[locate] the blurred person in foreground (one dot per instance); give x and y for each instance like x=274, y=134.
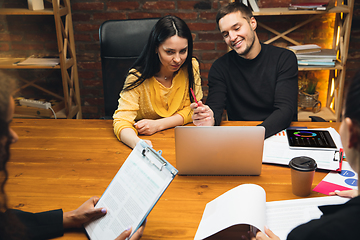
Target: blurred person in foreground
x=17, y=224
x=338, y=221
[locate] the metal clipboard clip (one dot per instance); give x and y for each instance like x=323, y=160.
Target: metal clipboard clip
x=154, y=157
x=338, y=157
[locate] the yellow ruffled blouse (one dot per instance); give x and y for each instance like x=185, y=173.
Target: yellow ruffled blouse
x=151, y=100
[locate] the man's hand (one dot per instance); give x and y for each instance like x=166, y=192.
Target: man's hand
x=85, y=213
x=203, y=115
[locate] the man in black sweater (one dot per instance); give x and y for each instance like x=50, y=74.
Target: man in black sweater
x=254, y=81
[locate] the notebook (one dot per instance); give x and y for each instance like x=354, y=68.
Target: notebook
x=219, y=150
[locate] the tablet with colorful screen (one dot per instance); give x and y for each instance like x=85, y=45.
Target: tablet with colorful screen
x=310, y=139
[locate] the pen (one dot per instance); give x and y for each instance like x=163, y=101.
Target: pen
x=192, y=92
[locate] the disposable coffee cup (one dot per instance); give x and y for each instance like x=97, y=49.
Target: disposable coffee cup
x=302, y=175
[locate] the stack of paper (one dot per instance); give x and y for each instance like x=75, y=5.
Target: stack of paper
x=306, y=48
x=325, y=57
x=45, y=61
x=318, y=6
x=227, y=216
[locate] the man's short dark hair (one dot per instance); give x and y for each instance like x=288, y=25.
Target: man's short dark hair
x=234, y=7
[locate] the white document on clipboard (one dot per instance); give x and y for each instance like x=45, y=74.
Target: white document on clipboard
x=132, y=193
x=277, y=151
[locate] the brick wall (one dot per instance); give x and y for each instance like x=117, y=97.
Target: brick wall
x=25, y=35
x=87, y=17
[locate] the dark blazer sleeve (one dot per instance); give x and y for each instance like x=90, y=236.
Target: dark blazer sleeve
x=43, y=225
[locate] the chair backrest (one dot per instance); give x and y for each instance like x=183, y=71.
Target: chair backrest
x=121, y=42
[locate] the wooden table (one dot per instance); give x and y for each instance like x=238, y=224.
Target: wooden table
x=62, y=163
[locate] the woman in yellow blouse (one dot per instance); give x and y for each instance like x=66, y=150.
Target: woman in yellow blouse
x=156, y=93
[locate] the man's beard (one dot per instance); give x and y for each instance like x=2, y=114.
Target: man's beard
x=248, y=48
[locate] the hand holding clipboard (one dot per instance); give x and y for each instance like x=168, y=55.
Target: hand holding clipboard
x=133, y=192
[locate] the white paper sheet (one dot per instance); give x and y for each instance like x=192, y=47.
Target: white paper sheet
x=283, y=216
x=246, y=204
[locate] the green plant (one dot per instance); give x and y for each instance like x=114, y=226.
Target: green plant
x=307, y=83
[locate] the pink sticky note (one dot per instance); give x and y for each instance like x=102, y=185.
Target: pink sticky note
x=326, y=187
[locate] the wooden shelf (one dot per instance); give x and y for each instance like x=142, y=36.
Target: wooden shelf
x=337, y=66
x=67, y=56
x=59, y=114
x=24, y=11
x=286, y=11
x=10, y=63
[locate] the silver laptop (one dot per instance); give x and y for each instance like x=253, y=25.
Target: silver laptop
x=219, y=150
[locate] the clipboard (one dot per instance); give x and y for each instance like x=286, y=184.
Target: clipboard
x=133, y=193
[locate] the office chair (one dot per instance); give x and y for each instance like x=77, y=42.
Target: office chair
x=121, y=42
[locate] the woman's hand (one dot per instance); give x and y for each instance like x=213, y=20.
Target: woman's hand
x=270, y=235
x=136, y=236
x=147, y=126
x=346, y=193
x=85, y=213
x=125, y=234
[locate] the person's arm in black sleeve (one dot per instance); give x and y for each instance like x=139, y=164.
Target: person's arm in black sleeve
x=216, y=99
x=42, y=225
x=285, y=99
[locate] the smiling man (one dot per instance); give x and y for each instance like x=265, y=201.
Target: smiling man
x=253, y=81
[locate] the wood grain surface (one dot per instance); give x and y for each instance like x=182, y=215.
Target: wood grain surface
x=61, y=163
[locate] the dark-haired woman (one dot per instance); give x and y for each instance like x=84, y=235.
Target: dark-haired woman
x=338, y=221
x=156, y=93
x=19, y=225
